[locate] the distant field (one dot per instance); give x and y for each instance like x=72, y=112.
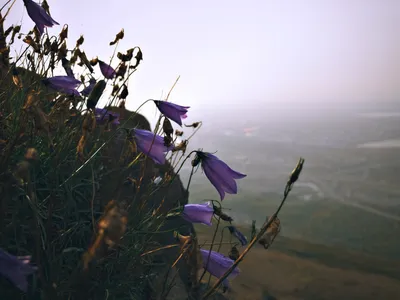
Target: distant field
x=294, y=269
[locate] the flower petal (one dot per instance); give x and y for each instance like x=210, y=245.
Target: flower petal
x=16, y=269
x=172, y=111
x=234, y=231
x=107, y=71
x=151, y=144
x=218, y=264
x=198, y=213
x=39, y=16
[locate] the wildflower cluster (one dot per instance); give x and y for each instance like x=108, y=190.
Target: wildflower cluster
x=75, y=174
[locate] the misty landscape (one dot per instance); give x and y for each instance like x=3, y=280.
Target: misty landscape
x=349, y=192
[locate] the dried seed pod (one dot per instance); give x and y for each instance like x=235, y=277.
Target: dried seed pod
x=121, y=70
x=272, y=231
x=64, y=33
x=181, y=147
x=168, y=140
x=62, y=51
x=234, y=253
x=115, y=89
x=124, y=93
x=194, y=125
x=95, y=95
x=119, y=36
x=94, y=61
x=218, y=212
x=29, y=40
x=167, y=127
x=80, y=41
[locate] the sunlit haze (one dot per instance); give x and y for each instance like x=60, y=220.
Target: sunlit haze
x=259, y=54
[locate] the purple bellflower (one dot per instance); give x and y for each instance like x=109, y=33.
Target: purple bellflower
x=67, y=67
x=87, y=90
x=63, y=84
x=218, y=265
x=151, y=144
x=107, y=71
x=198, y=213
x=39, y=16
x=103, y=116
x=172, y=111
x=221, y=176
x=235, y=232
x=16, y=269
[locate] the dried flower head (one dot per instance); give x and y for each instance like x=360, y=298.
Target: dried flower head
x=272, y=231
x=194, y=125
x=167, y=127
x=234, y=253
x=113, y=223
x=178, y=132
x=181, y=146
x=138, y=57
x=121, y=71
x=126, y=57
x=31, y=154
x=296, y=172
x=119, y=36
x=64, y=33
x=29, y=40
x=111, y=228
x=62, y=51
x=124, y=93
x=80, y=41
x=94, y=61
x=218, y=212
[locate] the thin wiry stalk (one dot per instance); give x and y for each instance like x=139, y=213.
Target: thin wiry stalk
x=251, y=244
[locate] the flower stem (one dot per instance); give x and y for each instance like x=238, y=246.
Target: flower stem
x=209, y=253
x=251, y=244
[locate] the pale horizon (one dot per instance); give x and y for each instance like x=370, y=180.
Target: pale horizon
x=261, y=54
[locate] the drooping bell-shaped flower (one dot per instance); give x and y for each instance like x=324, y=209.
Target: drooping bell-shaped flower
x=107, y=71
x=63, y=84
x=172, y=111
x=235, y=232
x=67, y=67
x=151, y=144
x=221, y=176
x=198, y=213
x=39, y=16
x=218, y=265
x=87, y=90
x=16, y=269
x=103, y=116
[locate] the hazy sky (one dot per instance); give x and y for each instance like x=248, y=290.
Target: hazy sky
x=255, y=53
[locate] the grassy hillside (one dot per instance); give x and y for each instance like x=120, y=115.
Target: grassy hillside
x=296, y=269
